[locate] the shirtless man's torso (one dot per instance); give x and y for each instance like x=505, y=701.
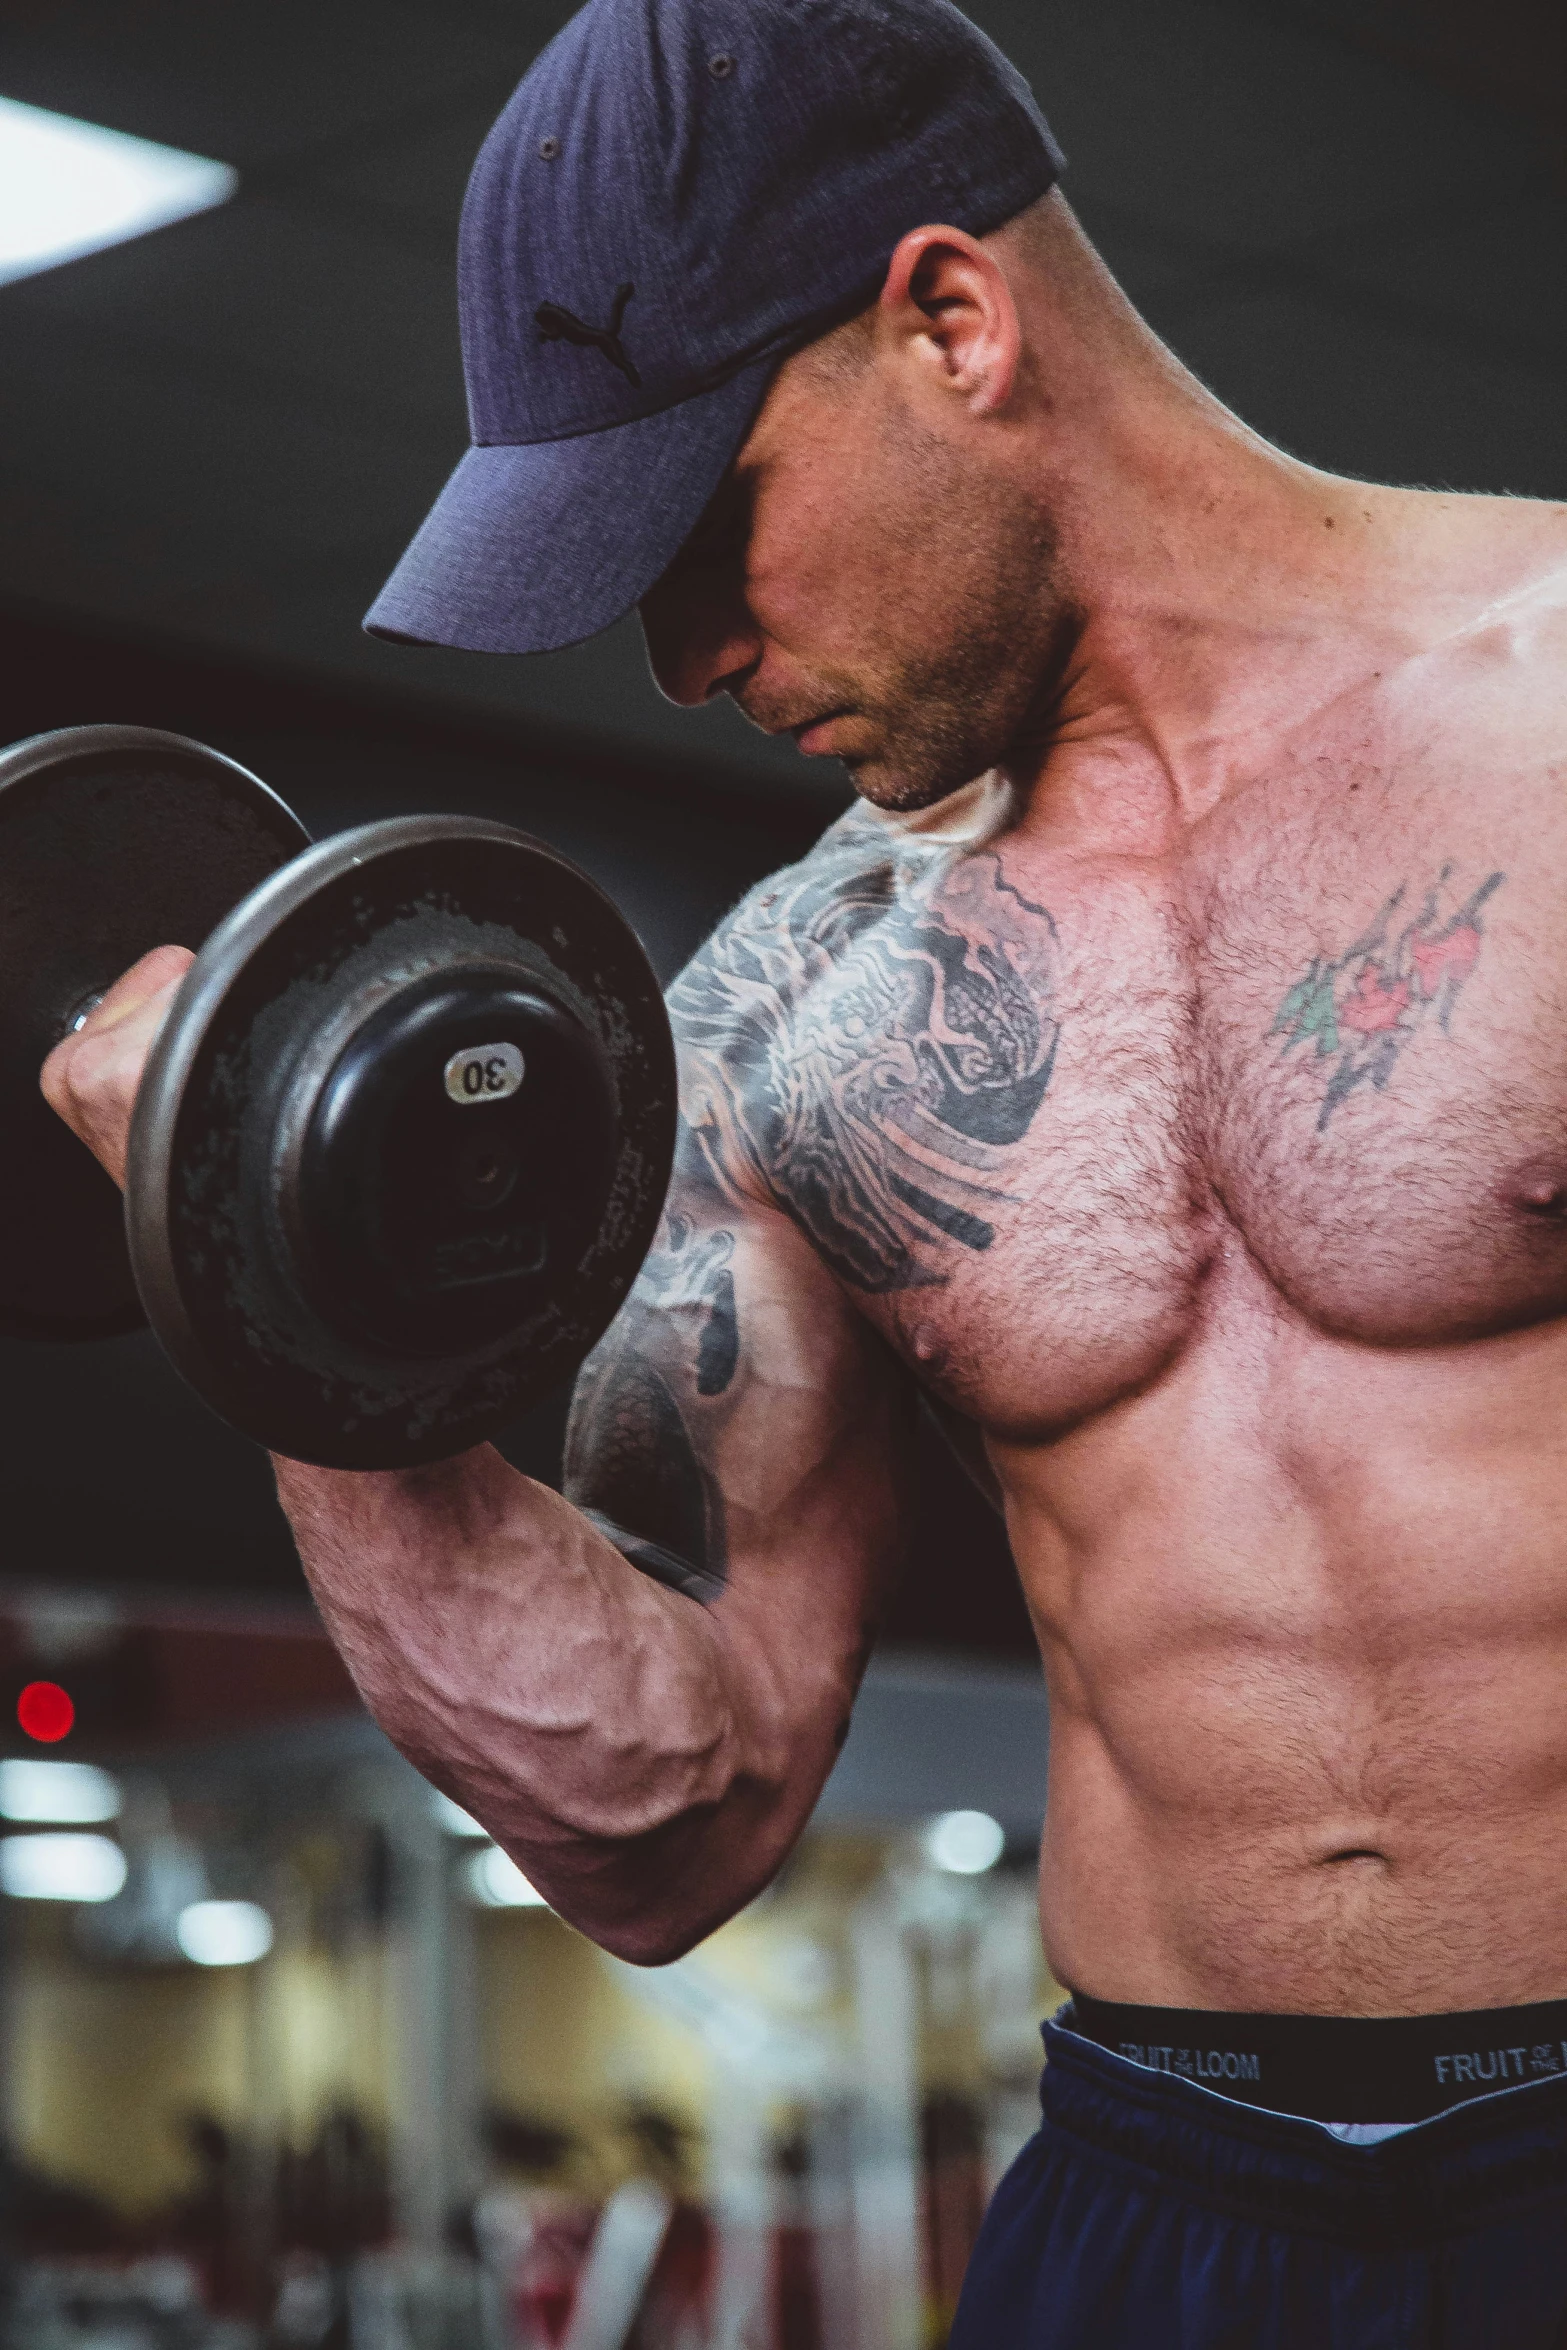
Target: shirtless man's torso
x=1213, y=1174
x=1162, y=1074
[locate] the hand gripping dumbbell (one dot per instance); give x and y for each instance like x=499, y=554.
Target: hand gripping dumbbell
x=404, y=1136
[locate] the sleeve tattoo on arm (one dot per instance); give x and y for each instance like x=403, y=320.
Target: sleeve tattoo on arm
x=633, y=1457
x=865, y=1041
x=862, y=1044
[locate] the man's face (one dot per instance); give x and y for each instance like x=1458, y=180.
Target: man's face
x=869, y=578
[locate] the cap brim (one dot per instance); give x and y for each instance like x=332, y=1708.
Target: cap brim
x=530, y=548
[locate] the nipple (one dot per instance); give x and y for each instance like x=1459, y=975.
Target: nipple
x=1540, y=1189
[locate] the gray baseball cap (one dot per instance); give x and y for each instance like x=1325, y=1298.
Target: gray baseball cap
x=678, y=195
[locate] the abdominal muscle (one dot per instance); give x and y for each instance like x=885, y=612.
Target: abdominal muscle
x=1303, y=1613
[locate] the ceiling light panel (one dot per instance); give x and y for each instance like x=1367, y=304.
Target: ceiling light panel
x=68, y=188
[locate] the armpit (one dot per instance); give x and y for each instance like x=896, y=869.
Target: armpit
x=968, y=1446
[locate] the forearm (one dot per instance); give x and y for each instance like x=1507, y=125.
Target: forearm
x=603, y=1728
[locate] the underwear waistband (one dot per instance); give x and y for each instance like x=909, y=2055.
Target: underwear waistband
x=1330, y=2068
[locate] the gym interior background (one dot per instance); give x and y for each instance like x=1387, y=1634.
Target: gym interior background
x=390, y=2100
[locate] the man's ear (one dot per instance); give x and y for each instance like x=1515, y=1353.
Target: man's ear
x=946, y=302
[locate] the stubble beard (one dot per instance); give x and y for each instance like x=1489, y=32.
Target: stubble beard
x=942, y=718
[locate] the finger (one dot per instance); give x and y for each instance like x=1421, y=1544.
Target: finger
x=154, y=975
x=92, y=1076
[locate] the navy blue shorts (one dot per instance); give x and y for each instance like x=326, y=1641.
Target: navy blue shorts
x=1152, y=2214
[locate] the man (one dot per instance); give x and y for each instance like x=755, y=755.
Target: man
x=1180, y=1107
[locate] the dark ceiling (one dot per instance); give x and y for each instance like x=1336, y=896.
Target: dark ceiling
x=224, y=433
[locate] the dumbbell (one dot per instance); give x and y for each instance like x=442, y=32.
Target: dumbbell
x=404, y=1137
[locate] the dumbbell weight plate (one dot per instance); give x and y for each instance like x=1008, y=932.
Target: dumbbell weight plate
x=113, y=840
x=402, y=1143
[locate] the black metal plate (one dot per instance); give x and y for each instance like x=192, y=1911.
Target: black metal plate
x=113, y=840
x=369, y=911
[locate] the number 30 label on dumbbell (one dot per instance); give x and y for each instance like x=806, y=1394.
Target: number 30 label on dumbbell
x=484, y=1073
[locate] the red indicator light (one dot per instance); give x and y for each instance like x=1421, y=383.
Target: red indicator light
x=45, y=1711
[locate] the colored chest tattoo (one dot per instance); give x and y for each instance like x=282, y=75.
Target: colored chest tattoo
x=1357, y=1013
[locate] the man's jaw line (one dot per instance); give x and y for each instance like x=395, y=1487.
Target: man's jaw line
x=892, y=792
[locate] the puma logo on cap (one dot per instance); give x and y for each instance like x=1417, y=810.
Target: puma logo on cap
x=556, y=325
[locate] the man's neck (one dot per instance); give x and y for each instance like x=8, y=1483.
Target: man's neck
x=1220, y=593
